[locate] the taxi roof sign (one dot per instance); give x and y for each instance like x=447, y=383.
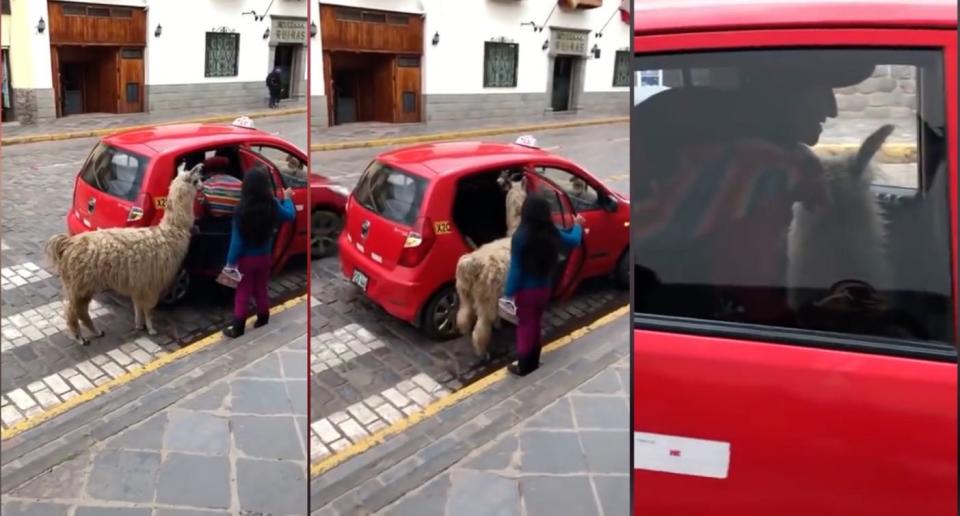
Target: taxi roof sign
x=527, y=140
x=243, y=121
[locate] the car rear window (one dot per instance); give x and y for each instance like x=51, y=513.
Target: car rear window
x=391, y=193
x=114, y=171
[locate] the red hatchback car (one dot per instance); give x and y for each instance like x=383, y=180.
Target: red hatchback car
x=124, y=183
x=837, y=393
x=416, y=210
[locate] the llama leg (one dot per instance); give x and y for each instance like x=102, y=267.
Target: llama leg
x=137, y=316
x=482, y=330
x=83, y=312
x=73, y=323
x=465, y=313
x=148, y=317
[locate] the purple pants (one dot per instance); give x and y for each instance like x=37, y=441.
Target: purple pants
x=531, y=304
x=256, y=275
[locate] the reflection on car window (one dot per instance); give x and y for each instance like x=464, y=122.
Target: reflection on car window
x=293, y=171
x=583, y=196
x=759, y=191
x=394, y=194
x=115, y=172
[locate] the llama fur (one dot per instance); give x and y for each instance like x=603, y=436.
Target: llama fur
x=136, y=262
x=844, y=238
x=481, y=274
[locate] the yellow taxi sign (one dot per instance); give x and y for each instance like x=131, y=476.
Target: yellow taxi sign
x=442, y=227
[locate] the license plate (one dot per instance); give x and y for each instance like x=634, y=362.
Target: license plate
x=360, y=280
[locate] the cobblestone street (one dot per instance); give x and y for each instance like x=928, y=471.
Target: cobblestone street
x=41, y=364
x=369, y=370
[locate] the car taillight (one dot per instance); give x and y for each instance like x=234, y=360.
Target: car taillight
x=142, y=209
x=417, y=243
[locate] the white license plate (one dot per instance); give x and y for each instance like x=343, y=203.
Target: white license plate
x=360, y=279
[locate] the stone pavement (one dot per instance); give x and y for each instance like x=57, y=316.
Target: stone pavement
x=93, y=121
x=573, y=457
x=234, y=446
x=556, y=439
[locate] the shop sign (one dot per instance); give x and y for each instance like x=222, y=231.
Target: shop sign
x=287, y=30
x=568, y=42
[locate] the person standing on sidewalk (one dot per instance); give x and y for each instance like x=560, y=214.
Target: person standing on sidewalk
x=251, y=243
x=534, y=256
x=273, y=86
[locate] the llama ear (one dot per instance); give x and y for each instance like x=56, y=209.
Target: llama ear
x=182, y=168
x=871, y=146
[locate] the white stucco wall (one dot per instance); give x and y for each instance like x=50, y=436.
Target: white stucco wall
x=455, y=65
x=29, y=50
x=178, y=57
x=317, y=83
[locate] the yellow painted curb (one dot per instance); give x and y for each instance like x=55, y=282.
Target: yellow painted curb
x=84, y=397
x=432, y=409
x=891, y=153
x=33, y=138
x=457, y=135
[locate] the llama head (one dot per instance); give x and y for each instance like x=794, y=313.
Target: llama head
x=853, y=173
x=516, y=187
x=183, y=191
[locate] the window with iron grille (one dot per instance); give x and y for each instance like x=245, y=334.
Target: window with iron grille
x=500, y=64
x=621, y=69
x=223, y=49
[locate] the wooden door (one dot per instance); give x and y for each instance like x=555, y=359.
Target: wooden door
x=105, y=92
x=55, y=69
x=407, y=105
x=130, y=87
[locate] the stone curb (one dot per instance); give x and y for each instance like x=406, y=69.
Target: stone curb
x=33, y=138
x=38, y=449
x=452, y=431
x=891, y=153
x=457, y=135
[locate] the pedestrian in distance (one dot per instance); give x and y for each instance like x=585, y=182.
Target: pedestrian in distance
x=251, y=243
x=534, y=257
x=273, y=87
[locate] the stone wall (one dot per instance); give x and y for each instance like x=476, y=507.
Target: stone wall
x=32, y=106
x=318, y=111
x=209, y=97
x=889, y=94
x=513, y=106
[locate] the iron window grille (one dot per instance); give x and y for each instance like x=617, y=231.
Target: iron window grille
x=223, y=50
x=500, y=64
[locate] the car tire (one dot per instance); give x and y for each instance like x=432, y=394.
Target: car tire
x=439, y=318
x=178, y=289
x=325, y=228
x=622, y=274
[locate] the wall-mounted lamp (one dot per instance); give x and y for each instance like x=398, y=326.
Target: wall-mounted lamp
x=596, y=51
x=266, y=33
x=546, y=44
x=41, y=25
x=157, y=32
x=436, y=38
x=313, y=30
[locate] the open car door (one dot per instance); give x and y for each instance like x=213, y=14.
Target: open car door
x=561, y=208
x=284, y=233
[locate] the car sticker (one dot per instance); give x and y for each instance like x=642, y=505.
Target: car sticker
x=160, y=203
x=442, y=227
x=681, y=455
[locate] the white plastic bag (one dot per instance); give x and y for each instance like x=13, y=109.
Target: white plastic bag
x=507, y=310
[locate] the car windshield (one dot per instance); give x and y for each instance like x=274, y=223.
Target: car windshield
x=391, y=193
x=114, y=171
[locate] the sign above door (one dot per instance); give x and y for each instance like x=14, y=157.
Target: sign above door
x=568, y=42
x=288, y=30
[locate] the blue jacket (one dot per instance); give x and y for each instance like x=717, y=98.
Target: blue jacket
x=239, y=249
x=516, y=278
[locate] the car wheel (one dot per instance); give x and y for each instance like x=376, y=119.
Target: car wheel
x=325, y=228
x=440, y=314
x=178, y=289
x=622, y=274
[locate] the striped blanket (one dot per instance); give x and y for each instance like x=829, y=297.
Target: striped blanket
x=221, y=195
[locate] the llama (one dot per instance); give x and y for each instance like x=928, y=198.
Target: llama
x=845, y=238
x=136, y=262
x=481, y=273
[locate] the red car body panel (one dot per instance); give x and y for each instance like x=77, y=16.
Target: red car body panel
x=162, y=145
x=810, y=430
x=403, y=291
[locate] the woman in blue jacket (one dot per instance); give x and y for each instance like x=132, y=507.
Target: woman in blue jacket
x=251, y=243
x=534, y=256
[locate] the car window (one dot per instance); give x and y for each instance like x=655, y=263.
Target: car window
x=115, y=172
x=760, y=191
x=392, y=193
x=293, y=171
x=583, y=196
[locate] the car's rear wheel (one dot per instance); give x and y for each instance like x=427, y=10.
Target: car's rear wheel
x=325, y=228
x=178, y=289
x=622, y=274
x=439, y=319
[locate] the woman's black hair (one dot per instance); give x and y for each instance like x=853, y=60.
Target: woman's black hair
x=257, y=213
x=540, y=251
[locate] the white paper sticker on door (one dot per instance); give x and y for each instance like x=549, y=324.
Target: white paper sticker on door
x=681, y=455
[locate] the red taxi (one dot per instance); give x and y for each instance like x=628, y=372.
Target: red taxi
x=124, y=181
x=844, y=404
x=416, y=210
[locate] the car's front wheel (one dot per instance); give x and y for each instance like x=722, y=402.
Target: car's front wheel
x=622, y=274
x=439, y=320
x=325, y=228
x=178, y=289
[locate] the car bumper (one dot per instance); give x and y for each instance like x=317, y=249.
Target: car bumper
x=397, y=294
x=74, y=224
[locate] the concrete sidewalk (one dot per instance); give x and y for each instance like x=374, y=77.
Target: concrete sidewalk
x=236, y=445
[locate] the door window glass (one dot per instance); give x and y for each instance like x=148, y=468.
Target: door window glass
x=801, y=188
x=293, y=171
x=583, y=196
